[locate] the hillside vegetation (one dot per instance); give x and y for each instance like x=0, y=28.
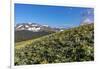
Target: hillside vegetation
x=24, y=35
x=72, y=45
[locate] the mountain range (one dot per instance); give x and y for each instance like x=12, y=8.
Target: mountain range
x=35, y=27
x=26, y=31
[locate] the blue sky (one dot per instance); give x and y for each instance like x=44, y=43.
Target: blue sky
x=54, y=16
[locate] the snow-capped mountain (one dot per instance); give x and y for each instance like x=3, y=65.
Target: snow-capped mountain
x=26, y=31
x=34, y=27
x=28, y=26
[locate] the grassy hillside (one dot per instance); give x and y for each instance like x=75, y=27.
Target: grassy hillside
x=24, y=35
x=23, y=43
x=72, y=45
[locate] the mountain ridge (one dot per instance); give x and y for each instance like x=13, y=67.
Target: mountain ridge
x=35, y=27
